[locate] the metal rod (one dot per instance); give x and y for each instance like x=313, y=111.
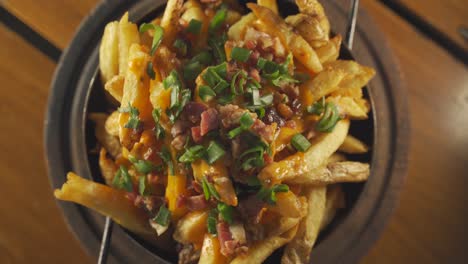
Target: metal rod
x=105, y=242
x=352, y=19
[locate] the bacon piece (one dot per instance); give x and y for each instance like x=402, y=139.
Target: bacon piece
x=179, y=127
x=230, y=115
x=179, y=141
x=225, y=238
x=267, y=132
x=209, y=121
x=193, y=111
x=196, y=134
x=196, y=203
x=255, y=74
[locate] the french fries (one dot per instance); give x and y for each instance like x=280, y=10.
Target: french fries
x=298, y=250
x=335, y=201
x=191, y=228
x=170, y=20
x=108, y=141
x=344, y=171
x=271, y=4
x=128, y=35
x=105, y=200
x=109, y=52
x=274, y=25
x=210, y=253
x=303, y=163
x=352, y=145
x=115, y=87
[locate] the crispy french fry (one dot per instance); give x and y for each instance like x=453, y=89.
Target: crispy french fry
x=352, y=145
x=170, y=20
x=336, y=157
x=112, y=124
x=210, y=253
x=260, y=250
x=237, y=30
x=288, y=205
x=300, y=163
x=105, y=200
x=109, y=142
x=283, y=224
x=348, y=107
x=345, y=171
x=135, y=92
x=107, y=166
x=194, y=10
x=357, y=76
x=335, y=201
x=128, y=35
x=109, y=52
x=271, y=4
x=298, y=250
x=315, y=9
x=114, y=87
x=191, y=228
x=176, y=185
x=330, y=51
x=309, y=28
x=275, y=26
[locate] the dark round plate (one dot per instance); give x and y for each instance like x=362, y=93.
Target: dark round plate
x=76, y=92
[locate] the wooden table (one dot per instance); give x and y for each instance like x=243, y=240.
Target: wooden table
x=429, y=225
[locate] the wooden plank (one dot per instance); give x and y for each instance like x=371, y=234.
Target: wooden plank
x=429, y=225
x=32, y=229
x=57, y=20
x=447, y=16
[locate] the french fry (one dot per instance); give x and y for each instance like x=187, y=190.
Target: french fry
x=283, y=224
x=345, y=171
x=112, y=124
x=210, y=253
x=357, y=76
x=109, y=142
x=335, y=201
x=352, y=145
x=107, y=167
x=109, y=52
x=237, y=30
x=114, y=87
x=322, y=147
x=275, y=26
x=128, y=35
x=298, y=250
x=135, y=92
x=170, y=20
x=176, y=185
x=271, y=4
x=191, y=228
x=309, y=28
x=336, y=157
x=315, y=9
x=105, y=200
x=194, y=10
x=260, y=250
x=330, y=51
x=348, y=107
x=288, y=205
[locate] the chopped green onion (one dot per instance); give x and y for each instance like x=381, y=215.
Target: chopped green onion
x=300, y=143
x=179, y=97
x=206, y=93
x=260, y=112
x=329, y=119
x=256, y=97
x=163, y=217
x=245, y=121
x=211, y=189
x=192, y=154
x=268, y=195
x=214, y=152
x=181, y=47
x=157, y=35
x=150, y=70
x=206, y=190
x=278, y=74
x=239, y=79
x=211, y=221
x=143, y=185
x=194, y=26
x=191, y=70
x=266, y=100
x=317, y=108
x=142, y=166
x=134, y=119
x=203, y=57
x=218, y=19
x=122, y=180
x=214, y=77
x=165, y=155
x=226, y=212
x=217, y=45
x=158, y=129
x=240, y=54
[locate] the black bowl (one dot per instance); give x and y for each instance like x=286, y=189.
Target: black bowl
x=76, y=91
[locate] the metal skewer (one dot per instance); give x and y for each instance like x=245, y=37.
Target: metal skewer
x=352, y=19
x=350, y=30
x=105, y=242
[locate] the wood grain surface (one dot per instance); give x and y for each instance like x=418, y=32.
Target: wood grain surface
x=427, y=227
x=447, y=16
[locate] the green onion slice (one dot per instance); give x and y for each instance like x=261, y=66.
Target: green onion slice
x=300, y=143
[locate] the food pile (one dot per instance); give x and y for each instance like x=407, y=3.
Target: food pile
x=230, y=129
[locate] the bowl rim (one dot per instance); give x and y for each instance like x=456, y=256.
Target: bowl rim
x=58, y=130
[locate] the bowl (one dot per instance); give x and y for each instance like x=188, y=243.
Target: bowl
x=69, y=138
